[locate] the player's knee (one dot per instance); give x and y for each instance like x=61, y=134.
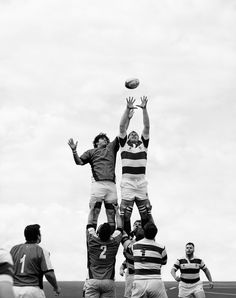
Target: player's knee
x=109, y=207
x=128, y=212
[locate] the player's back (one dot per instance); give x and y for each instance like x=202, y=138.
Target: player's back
x=30, y=262
x=102, y=257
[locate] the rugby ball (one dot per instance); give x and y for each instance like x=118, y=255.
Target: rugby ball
x=131, y=83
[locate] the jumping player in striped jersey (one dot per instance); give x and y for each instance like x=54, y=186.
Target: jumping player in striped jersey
x=149, y=256
x=31, y=263
x=189, y=279
x=102, y=250
x=134, y=159
x=6, y=275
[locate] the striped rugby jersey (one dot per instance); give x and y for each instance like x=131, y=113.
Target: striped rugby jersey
x=6, y=266
x=189, y=269
x=128, y=253
x=133, y=158
x=102, y=255
x=149, y=257
x=30, y=263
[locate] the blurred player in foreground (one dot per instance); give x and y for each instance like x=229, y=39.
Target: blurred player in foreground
x=102, y=159
x=134, y=159
x=6, y=275
x=102, y=250
x=189, y=279
x=31, y=263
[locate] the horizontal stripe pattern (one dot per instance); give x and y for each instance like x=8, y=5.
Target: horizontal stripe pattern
x=189, y=269
x=148, y=259
x=134, y=160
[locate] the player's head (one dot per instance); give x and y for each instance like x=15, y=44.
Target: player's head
x=133, y=137
x=139, y=233
x=150, y=230
x=189, y=248
x=137, y=224
x=101, y=140
x=32, y=233
x=104, y=231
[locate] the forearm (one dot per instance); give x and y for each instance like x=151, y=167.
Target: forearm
x=173, y=273
x=119, y=223
x=208, y=275
x=76, y=157
x=51, y=278
x=124, y=122
x=146, y=122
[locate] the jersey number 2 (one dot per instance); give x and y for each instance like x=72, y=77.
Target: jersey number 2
x=103, y=253
x=22, y=261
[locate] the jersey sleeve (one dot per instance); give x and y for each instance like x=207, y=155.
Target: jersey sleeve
x=122, y=141
x=117, y=236
x=176, y=265
x=46, y=264
x=145, y=141
x=86, y=156
x=202, y=265
x=164, y=256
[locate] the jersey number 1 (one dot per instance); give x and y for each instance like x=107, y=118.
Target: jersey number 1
x=22, y=261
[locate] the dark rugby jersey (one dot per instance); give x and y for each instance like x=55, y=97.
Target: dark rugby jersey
x=102, y=161
x=133, y=158
x=30, y=263
x=189, y=269
x=102, y=255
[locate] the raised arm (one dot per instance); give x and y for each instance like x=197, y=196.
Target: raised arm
x=146, y=122
x=73, y=147
x=125, y=119
x=119, y=224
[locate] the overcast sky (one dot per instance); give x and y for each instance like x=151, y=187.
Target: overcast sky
x=62, y=70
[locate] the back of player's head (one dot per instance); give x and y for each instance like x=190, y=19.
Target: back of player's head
x=32, y=232
x=150, y=230
x=190, y=243
x=104, y=232
x=100, y=136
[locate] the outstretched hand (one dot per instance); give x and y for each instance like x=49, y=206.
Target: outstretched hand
x=130, y=103
x=72, y=145
x=144, y=101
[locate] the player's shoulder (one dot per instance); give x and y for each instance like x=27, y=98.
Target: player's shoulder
x=5, y=256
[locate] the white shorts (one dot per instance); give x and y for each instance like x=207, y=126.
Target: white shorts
x=103, y=191
x=153, y=288
x=28, y=292
x=186, y=290
x=129, y=278
x=100, y=288
x=132, y=189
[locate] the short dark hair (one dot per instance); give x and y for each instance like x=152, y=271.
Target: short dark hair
x=100, y=136
x=189, y=243
x=32, y=232
x=104, y=231
x=150, y=230
x=131, y=132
